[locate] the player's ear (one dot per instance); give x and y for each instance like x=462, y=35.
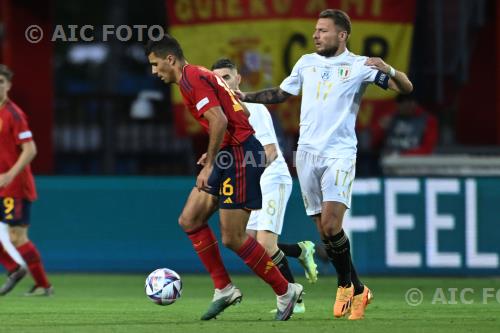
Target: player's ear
x=171, y=59
x=343, y=36
x=238, y=79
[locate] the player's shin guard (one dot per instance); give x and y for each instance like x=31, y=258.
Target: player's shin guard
x=32, y=257
x=255, y=256
x=206, y=246
x=338, y=250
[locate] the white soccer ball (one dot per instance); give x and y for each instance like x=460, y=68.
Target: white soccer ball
x=163, y=286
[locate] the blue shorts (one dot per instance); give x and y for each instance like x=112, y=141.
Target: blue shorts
x=235, y=178
x=15, y=212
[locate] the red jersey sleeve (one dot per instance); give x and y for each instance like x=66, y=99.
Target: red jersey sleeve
x=21, y=130
x=201, y=92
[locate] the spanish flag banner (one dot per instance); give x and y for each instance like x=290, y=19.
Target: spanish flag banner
x=266, y=37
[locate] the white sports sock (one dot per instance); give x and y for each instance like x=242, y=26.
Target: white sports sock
x=8, y=246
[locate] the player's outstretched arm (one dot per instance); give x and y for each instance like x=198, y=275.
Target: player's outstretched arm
x=266, y=96
x=398, y=81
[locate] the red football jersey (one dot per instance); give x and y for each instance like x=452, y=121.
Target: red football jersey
x=202, y=90
x=14, y=131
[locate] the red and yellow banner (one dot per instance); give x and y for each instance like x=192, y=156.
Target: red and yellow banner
x=266, y=37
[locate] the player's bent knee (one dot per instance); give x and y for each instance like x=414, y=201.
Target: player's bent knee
x=18, y=235
x=229, y=242
x=19, y=240
x=271, y=249
x=331, y=225
x=268, y=242
x=183, y=223
x=232, y=242
x=187, y=223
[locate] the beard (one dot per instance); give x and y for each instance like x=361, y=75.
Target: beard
x=328, y=52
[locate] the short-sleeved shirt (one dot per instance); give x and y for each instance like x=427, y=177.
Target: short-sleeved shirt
x=202, y=90
x=331, y=88
x=260, y=119
x=14, y=131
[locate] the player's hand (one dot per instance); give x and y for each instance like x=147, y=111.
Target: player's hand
x=5, y=179
x=202, y=160
x=378, y=63
x=241, y=95
x=202, y=179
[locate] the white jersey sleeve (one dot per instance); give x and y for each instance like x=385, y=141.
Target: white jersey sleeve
x=371, y=75
x=293, y=83
x=367, y=73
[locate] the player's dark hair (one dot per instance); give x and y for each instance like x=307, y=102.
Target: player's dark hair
x=5, y=71
x=223, y=63
x=165, y=46
x=339, y=18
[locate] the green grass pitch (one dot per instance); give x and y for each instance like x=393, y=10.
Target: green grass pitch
x=117, y=303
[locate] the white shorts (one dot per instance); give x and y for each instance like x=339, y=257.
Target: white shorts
x=324, y=179
x=274, y=199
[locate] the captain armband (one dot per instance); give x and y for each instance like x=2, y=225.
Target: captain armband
x=382, y=80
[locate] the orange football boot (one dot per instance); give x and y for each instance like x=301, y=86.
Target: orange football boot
x=343, y=301
x=359, y=304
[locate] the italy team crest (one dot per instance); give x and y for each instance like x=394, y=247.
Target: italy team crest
x=325, y=75
x=344, y=72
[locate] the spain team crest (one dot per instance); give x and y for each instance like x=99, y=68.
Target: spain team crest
x=344, y=72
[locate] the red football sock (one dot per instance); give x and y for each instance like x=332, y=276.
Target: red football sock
x=206, y=245
x=258, y=260
x=32, y=257
x=7, y=261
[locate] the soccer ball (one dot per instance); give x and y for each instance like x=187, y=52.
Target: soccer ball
x=163, y=286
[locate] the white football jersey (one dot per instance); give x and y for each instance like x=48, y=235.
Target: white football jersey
x=331, y=94
x=262, y=123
